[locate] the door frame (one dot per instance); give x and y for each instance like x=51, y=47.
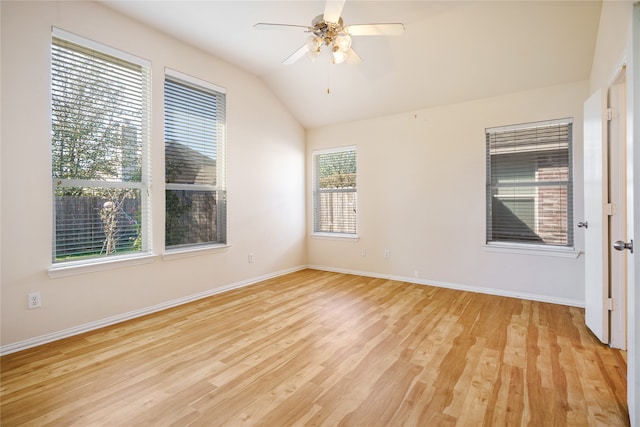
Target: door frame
x=633, y=191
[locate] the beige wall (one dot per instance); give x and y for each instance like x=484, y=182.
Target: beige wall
x=421, y=194
x=612, y=48
x=265, y=176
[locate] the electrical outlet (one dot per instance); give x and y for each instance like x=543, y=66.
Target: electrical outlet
x=34, y=300
x=250, y=257
x=363, y=252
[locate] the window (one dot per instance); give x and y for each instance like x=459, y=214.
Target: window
x=195, y=196
x=99, y=125
x=334, y=191
x=529, y=183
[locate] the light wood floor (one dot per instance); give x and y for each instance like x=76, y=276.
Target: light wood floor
x=318, y=348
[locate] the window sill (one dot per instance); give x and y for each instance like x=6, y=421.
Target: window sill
x=194, y=251
x=538, y=250
x=72, y=268
x=336, y=236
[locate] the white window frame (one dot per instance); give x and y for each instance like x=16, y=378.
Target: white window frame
x=316, y=192
x=96, y=263
x=185, y=250
x=532, y=248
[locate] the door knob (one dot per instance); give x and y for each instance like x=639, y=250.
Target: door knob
x=621, y=246
x=583, y=224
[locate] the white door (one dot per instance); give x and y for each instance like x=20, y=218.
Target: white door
x=595, y=224
x=618, y=220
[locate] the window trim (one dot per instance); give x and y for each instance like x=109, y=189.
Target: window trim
x=145, y=255
x=195, y=81
x=72, y=268
x=522, y=247
x=99, y=47
x=532, y=249
x=335, y=236
x=327, y=235
x=195, y=249
x=191, y=251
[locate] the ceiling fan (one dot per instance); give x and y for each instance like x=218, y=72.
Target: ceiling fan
x=329, y=30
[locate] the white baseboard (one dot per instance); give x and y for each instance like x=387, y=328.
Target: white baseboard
x=76, y=330
x=476, y=289
x=44, y=339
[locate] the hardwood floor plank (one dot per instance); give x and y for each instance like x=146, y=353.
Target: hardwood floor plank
x=316, y=348
x=385, y=395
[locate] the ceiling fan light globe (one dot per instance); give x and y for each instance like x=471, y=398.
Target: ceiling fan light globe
x=339, y=56
x=314, y=43
x=313, y=54
x=343, y=42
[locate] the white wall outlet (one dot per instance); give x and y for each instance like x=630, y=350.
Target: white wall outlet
x=250, y=257
x=387, y=253
x=363, y=252
x=34, y=300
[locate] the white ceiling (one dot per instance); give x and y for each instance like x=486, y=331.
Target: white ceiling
x=451, y=51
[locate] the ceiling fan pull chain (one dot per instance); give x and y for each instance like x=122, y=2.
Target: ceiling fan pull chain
x=328, y=77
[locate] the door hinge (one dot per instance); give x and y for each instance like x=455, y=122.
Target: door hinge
x=609, y=113
x=610, y=304
x=609, y=209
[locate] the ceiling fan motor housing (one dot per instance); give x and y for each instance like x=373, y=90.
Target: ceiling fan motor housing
x=327, y=31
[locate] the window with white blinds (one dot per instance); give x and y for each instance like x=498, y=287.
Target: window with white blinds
x=100, y=134
x=529, y=183
x=195, y=194
x=334, y=191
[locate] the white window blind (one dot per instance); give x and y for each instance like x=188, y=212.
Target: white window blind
x=99, y=122
x=334, y=191
x=529, y=183
x=194, y=163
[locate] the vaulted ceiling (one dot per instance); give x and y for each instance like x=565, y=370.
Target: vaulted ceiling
x=451, y=51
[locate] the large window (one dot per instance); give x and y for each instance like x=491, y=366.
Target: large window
x=194, y=121
x=529, y=183
x=334, y=191
x=99, y=125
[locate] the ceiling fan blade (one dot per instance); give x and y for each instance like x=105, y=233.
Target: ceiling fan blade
x=268, y=26
x=353, y=58
x=296, y=55
x=333, y=10
x=375, y=29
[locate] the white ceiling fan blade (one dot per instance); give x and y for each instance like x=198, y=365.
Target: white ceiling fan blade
x=268, y=26
x=296, y=55
x=375, y=29
x=333, y=10
x=353, y=58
